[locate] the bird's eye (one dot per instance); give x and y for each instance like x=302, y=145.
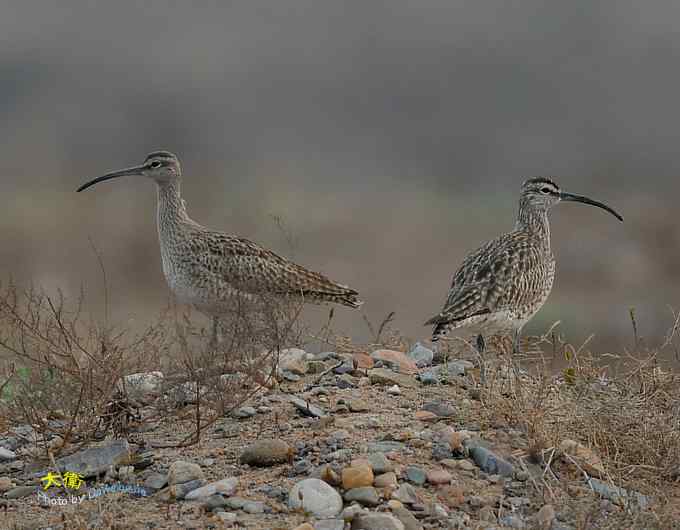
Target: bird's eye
x=546, y=190
x=155, y=164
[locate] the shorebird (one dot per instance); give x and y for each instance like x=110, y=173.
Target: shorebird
x=206, y=268
x=504, y=283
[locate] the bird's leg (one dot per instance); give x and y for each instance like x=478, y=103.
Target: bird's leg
x=481, y=347
x=215, y=335
x=515, y=342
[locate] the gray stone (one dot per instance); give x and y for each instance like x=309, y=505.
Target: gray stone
x=156, y=481
x=215, y=502
x=95, y=460
x=226, y=487
x=227, y=518
x=350, y=512
x=442, y=410
x=513, y=521
x=254, y=507
x=142, y=384
x=329, y=524
x=379, y=463
x=407, y=519
x=306, y=408
x=180, y=491
x=441, y=451
x=617, y=495
x=405, y=493
x=421, y=355
x=20, y=492
x=383, y=376
x=376, y=521
x=415, y=475
x=316, y=497
x=181, y=472
x=491, y=463
x=7, y=455
x=366, y=496
x=450, y=370
x=264, y=453
x=235, y=503
x=386, y=446
x=244, y=412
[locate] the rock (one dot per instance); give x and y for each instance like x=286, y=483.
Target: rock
x=235, y=503
x=6, y=484
x=619, y=496
x=426, y=416
x=226, y=487
x=584, y=456
x=20, y=492
x=487, y=514
x=376, y=521
x=265, y=453
x=545, y=517
x=357, y=477
x=363, y=361
x=244, y=412
x=228, y=518
x=379, y=463
x=96, y=460
x=305, y=526
x=253, y=507
x=443, y=371
x=438, y=477
x=415, y=475
x=316, y=497
x=394, y=390
x=513, y=521
x=329, y=524
x=421, y=355
x=383, y=376
x=306, y=408
x=349, y=513
x=366, y=496
x=407, y=518
x=405, y=493
x=214, y=502
x=386, y=446
x=6, y=455
x=328, y=474
x=490, y=463
x=156, y=481
x=455, y=441
x=441, y=451
x=358, y=405
x=141, y=384
x=293, y=360
x=441, y=410
x=386, y=480
x=180, y=491
x=181, y=472
x=396, y=360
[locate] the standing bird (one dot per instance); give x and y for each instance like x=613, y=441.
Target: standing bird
x=206, y=268
x=503, y=284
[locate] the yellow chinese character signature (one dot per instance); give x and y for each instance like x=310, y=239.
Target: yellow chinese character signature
x=71, y=480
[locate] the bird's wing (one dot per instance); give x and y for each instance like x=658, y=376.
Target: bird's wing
x=489, y=278
x=251, y=268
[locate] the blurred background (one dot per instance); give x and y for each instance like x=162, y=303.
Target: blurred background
x=390, y=138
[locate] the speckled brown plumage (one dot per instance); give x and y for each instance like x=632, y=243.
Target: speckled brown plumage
x=502, y=285
x=204, y=267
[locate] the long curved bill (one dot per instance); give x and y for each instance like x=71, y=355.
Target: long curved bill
x=136, y=170
x=585, y=200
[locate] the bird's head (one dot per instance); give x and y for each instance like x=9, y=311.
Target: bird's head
x=160, y=166
x=543, y=193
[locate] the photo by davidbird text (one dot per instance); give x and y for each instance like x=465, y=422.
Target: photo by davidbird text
x=93, y=493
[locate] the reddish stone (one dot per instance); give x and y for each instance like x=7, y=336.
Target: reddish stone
x=396, y=359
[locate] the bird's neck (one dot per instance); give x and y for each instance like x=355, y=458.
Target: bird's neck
x=171, y=208
x=534, y=221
